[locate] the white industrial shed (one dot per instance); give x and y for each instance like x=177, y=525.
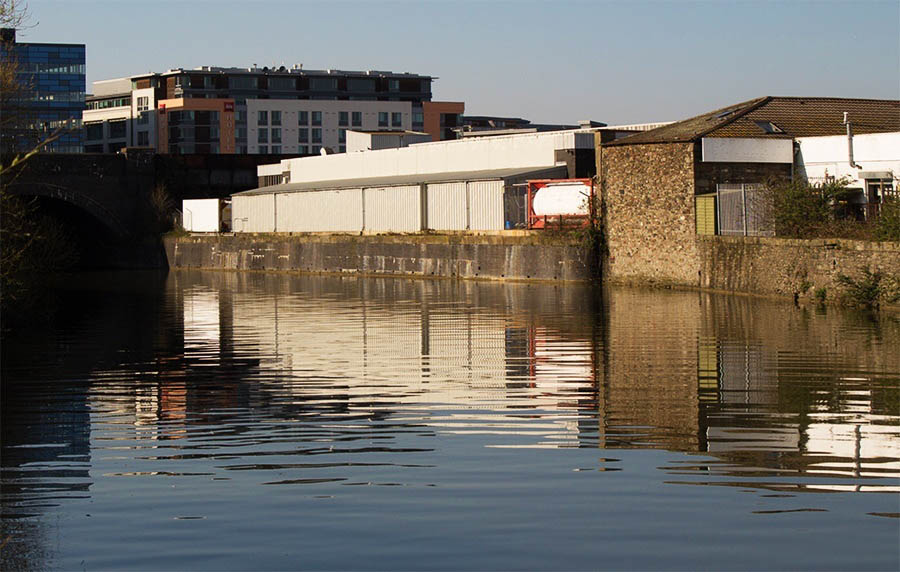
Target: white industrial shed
x=454, y=201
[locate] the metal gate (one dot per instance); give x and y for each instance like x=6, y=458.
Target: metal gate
x=744, y=210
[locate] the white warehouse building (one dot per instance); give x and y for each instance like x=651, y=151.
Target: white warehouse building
x=468, y=184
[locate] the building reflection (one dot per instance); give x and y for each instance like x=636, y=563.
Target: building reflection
x=724, y=376
x=757, y=385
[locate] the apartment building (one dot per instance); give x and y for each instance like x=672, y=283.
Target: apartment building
x=328, y=100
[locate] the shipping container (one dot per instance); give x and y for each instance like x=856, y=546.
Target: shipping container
x=201, y=215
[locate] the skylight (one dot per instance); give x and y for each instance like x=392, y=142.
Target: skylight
x=769, y=127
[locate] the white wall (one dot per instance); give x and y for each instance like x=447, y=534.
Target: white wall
x=290, y=109
x=747, y=150
x=872, y=152
x=485, y=153
x=359, y=141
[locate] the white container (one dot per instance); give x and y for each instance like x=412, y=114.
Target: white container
x=571, y=198
x=201, y=215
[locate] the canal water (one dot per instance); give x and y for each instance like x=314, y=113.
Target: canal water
x=258, y=421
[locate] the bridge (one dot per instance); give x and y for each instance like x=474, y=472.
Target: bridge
x=114, y=190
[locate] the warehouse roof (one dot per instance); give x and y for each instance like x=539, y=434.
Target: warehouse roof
x=488, y=175
x=778, y=118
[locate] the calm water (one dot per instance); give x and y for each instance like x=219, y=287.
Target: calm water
x=249, y=421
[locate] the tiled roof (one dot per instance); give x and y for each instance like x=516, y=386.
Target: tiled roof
x=779, y=117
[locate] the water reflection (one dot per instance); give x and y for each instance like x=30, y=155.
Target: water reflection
x=289, y=381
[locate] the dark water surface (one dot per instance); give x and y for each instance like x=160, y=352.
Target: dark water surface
x=249, y=421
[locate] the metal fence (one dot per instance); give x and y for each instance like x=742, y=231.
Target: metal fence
x=744, y=210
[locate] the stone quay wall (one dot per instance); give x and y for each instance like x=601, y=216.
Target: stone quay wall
x=794, y=267
x=510, y=256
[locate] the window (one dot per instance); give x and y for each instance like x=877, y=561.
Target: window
x=240, y=133
x=382, y=119
x=342, y=135
x=418, y=118
x=143, y=118
x=263, y=136
x=303, y=150
x=317, y=118
x=303, y=136
x=262, y=118
x=117, y=129
x=394, y=85
x=302, y=118
x=323, y=83
x=357, y=119
x=143, y=139
x=240, y=116
x=276, y=149
x=361, y=84
x=242, y=149
x=343, y=118
x=396, y=119
x=316, y=135
x=242, y=82
x=94, y=131
x=315, y=149
x=282, y=83
x=276, y=135
x=342, y=149
x=263, y=149
x=276, y=118
x=143, y=105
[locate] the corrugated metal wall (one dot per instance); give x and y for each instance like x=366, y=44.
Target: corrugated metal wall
x=393, y=209
x=486, y=205
x=475, y=205
x=320, y=211
x=447, y=206
x=253, y=213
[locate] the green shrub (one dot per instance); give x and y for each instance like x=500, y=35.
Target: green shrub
x=863, y=291
x=887, y=225
x=801, y=210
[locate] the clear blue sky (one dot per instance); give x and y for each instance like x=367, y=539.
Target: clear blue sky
x=554, y=62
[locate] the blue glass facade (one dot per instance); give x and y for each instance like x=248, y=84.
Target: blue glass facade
x=52, y=77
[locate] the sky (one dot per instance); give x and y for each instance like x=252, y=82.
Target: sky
x=550, y=62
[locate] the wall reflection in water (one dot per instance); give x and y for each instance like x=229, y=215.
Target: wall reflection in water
x=779, y=397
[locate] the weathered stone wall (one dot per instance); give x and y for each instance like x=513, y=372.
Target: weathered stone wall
x=648, y=213
x=790, y=267
x=526, y=256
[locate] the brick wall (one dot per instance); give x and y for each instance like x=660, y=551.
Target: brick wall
x=648, y=207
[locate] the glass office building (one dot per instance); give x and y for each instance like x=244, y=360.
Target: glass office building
x=49, y=97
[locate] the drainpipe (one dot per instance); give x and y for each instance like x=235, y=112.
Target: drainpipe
x=850, y=141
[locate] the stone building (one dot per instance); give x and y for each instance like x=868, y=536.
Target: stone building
x=661, y=188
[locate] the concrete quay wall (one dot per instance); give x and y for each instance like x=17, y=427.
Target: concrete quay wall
x=519, y=256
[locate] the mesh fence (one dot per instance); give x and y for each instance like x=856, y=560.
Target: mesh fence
x=744, y=210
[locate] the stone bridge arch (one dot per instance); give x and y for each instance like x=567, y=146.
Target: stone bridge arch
x=105, y=216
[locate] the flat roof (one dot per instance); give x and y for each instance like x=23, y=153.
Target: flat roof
x=397, y=180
